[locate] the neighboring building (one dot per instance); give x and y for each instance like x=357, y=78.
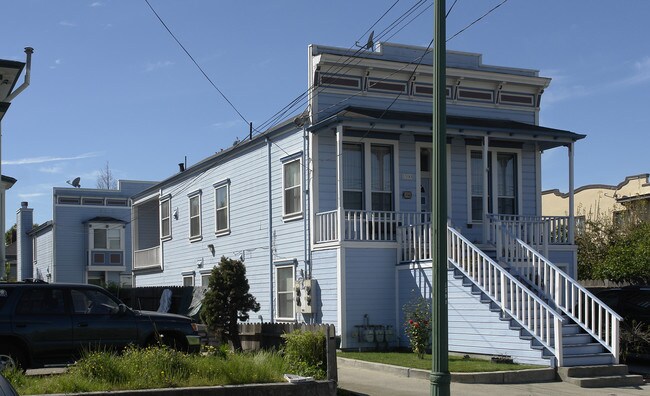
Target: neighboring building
x=330, y=211
x=598, y=201
x=88, y=239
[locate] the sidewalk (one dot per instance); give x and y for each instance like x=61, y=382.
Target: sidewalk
x=370, y=382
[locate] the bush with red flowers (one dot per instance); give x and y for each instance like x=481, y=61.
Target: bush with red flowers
x=417, y=325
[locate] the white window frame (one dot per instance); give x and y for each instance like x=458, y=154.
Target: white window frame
x=106, y=226
x=493, y=151
x=299, y=213
x=367, y=143
x=199, y=236
x=292, y=266
x=189, y=276
x=164, y=216
x=218, y=186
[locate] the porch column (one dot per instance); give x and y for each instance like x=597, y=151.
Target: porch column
x=339, y=183
x=572, y=220
x=485, y=188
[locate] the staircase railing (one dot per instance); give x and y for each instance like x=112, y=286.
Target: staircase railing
x=590, y=313
x=513, y=297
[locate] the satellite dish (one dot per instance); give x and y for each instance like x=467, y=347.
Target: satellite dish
x=369, y=44
x=75, y=183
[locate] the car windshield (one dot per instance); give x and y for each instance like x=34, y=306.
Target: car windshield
x=94, y=302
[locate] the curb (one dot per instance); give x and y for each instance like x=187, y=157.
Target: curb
x=496, y=377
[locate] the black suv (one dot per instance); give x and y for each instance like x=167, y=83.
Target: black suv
x=46, y=324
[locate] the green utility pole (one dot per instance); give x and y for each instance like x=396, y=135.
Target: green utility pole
x=440, y=377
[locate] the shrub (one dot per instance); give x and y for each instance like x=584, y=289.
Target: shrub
x=228, y=300
x=417, y=325
x=305, y=353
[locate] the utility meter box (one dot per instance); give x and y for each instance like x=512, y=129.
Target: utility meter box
x=308, y=296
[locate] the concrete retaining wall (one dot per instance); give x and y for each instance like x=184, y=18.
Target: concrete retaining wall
x=312, y=388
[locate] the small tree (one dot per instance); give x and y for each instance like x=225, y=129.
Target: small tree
x=417, y=325
x=105, y=179
x=617, y=248
x=227, y=300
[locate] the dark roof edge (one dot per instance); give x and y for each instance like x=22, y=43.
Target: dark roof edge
x=206, y=163
x=42, y=227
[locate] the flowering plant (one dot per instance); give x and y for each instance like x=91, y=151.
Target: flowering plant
x=417, y=325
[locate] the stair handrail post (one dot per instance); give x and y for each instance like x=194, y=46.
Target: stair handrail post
x=559, y=352
x=547, y=236
x=616, y=341
x=503, y=292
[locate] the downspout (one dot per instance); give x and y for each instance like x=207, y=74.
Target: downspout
x=307, y=192
x=28, y=69
x=12, y=95
x=271, y=274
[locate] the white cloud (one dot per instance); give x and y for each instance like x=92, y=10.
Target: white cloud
x=226, y=124
x=41, y=160
x=158, y=65
x=30, y=195
x=641, y=73
x=51, y=169
x=96, y=4
x=67, y=23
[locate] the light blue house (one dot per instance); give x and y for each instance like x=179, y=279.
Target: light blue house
x=330, y=211
x=88, y=239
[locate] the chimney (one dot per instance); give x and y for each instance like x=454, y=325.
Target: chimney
x=24, y=247
x=181, y=167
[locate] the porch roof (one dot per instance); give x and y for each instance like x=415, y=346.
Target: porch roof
x=501, y=128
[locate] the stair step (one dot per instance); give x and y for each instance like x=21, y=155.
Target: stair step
x=588, y=359
x=593, y=371
x=607, y=381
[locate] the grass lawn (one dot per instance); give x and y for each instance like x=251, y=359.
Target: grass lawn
x=154, y=368
x=457, y=364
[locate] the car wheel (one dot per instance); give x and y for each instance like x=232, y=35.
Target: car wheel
x=11, y=357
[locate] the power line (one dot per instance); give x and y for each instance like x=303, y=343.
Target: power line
x=477, y=20
x=300, y=99
x=195, y=62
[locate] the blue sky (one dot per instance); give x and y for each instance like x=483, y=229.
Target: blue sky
x=109, y=84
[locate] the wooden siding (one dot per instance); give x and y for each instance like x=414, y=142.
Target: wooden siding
x=324, y=265
x=249, y=222
x=458, y=183
x=43, y=260
x=473, y=327
x=407, y=163
x=370, y=289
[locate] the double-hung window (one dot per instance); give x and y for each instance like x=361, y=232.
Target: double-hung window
x=165, y=219
x=195, y=215
x=381, y=177
x=284, y=299
x=353, y=179
x=222, y=205
x=368, y=176
x=106, y=242
x=292, y=188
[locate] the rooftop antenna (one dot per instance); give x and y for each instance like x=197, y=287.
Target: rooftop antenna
x=369, y=44
x=75, y=182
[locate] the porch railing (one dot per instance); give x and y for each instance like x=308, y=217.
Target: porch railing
x=415, y=242
x=513, y=297
x=599, y=320
x=537, y=231
x=364, y=225
x=146, y=258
